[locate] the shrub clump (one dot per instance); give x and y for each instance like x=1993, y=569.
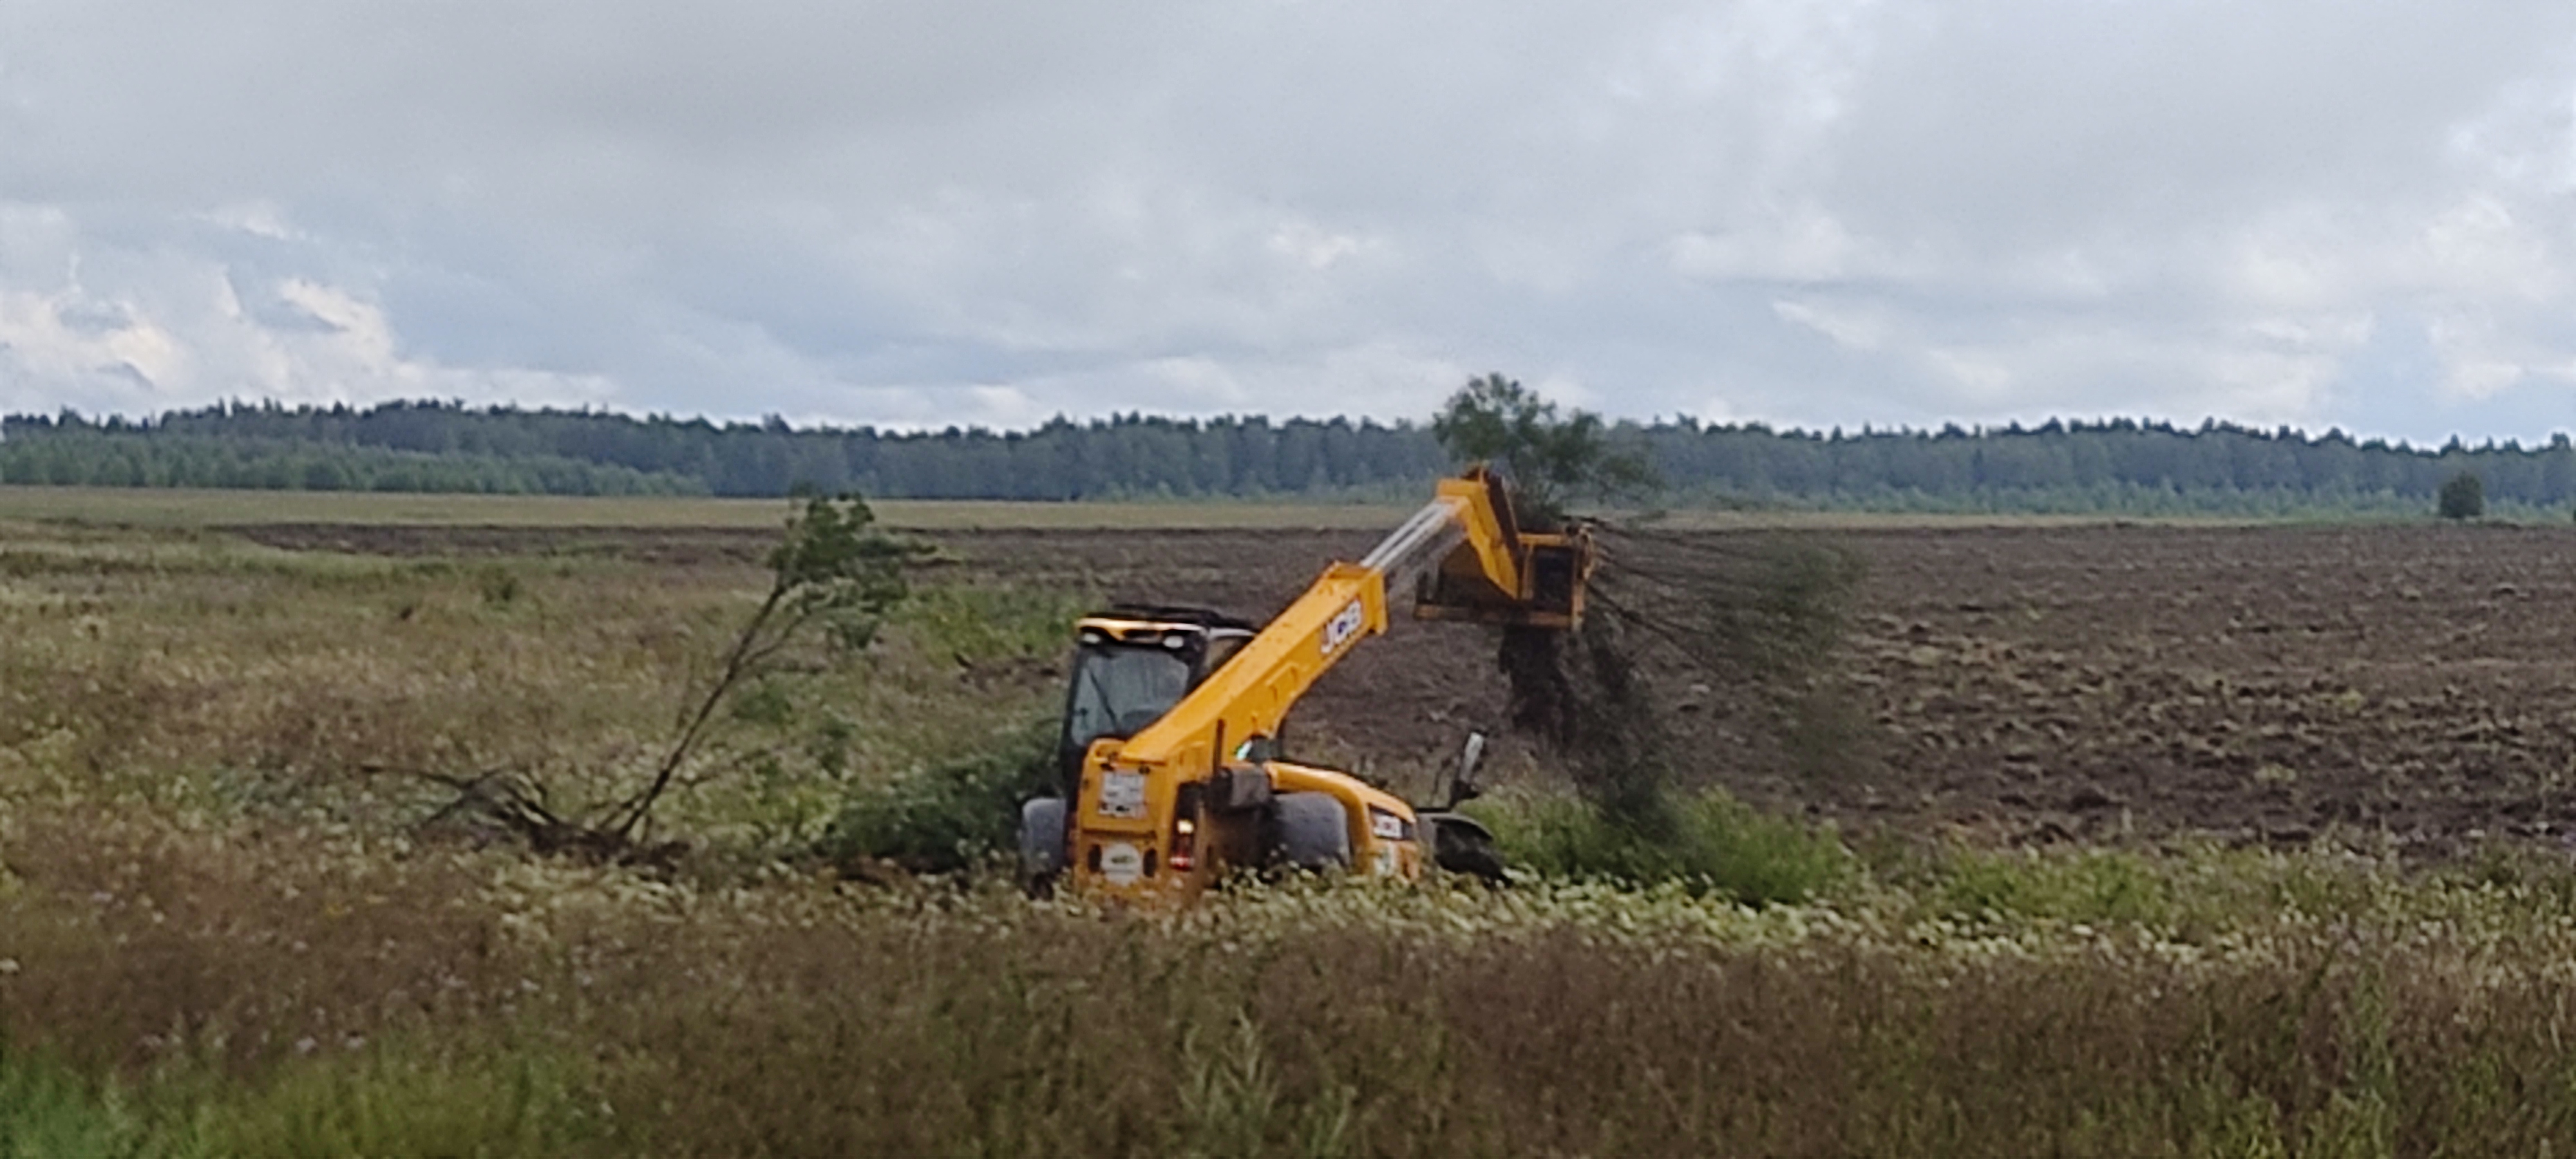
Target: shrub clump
x=2463, y=496
x=1708, y=843
x=947, y=817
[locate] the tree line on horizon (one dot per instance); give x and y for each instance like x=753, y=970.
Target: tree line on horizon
x=2108, y=466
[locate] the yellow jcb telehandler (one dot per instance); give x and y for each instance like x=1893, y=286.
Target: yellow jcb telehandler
x=1171, y=776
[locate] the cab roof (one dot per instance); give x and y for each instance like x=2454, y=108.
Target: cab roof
x=1124, y=622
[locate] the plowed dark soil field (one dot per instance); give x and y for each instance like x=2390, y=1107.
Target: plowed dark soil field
x=2406, y=683
x=2403, y=683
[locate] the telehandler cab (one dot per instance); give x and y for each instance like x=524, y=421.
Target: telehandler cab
x=1170, y=774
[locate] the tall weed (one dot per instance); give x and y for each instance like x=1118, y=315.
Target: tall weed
x=972, y=624
x=47, y=1111
x=498, y=1103
x=1714, y=843
x=595, y=1011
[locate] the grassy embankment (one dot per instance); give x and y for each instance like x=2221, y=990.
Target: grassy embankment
x=222, y=931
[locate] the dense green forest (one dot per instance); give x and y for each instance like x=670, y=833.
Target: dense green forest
x=2120, y=466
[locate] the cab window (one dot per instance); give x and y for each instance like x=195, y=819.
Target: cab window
x=1121, y=690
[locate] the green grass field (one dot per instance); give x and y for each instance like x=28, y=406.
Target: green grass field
x=238, y=918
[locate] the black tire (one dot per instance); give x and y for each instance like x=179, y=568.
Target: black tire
x=1042, y=837
x=1461, y=845
x=1309, y=831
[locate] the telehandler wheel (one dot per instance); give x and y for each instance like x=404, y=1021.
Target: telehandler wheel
x=1309, y=831
x=1460, y=844
x=1042, y=852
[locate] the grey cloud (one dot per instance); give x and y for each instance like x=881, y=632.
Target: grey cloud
x=86, y=317
x=990, y=212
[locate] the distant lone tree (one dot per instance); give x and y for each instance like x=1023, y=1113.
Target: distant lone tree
x=2464, y=496
x=1549, y=458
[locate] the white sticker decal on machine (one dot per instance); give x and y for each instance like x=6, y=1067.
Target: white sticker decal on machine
x=1385, y=824
x=1344, y=625
x=1121, y=863
x=1122, y=794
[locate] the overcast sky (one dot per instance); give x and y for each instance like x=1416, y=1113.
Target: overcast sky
x=2355, y=213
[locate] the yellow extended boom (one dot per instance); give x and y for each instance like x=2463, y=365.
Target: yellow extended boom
x=1173, y=712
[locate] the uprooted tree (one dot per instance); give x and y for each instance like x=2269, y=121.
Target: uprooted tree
x=1756, y=616
x=1550, y=459
x=834, y=576
x=835, y=572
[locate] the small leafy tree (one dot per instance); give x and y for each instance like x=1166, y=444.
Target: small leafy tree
x=2464, y=496
x=833, y=575
x=835, y=572
x=1549, y=458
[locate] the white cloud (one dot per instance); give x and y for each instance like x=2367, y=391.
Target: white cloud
x=1981, y=379
x=141, y=332
x=71, y=336
x=1823, y=211
x=1314, y=246
x=1852, y=329
x=1804, y=245
x=262, y=219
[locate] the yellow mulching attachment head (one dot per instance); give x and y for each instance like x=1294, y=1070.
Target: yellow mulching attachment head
x=1541, y=582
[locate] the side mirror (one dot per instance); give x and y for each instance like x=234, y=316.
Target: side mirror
x=1463, y=787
